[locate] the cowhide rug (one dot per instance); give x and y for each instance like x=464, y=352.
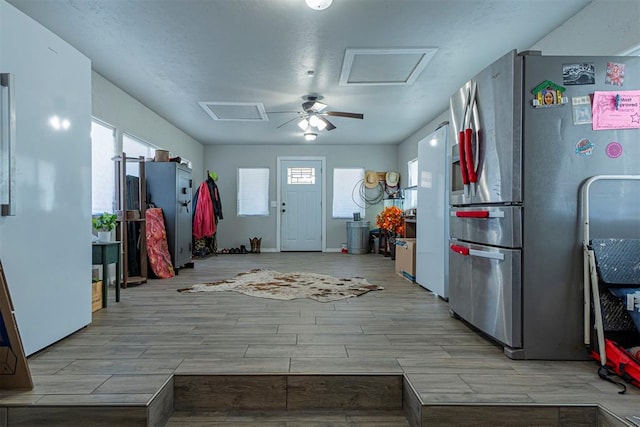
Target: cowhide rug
x=288, y=286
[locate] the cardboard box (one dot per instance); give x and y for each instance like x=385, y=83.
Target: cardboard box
x=96, y=296
x=406, y=258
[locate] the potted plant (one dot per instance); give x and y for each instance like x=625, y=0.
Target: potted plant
x=104, y=225
x=391, y=221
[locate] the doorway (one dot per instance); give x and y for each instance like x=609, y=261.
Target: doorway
x=301, y=201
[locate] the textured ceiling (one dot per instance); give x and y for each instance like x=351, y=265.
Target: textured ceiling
x=173, y=55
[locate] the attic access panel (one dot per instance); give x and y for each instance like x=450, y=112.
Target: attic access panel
x=235, y=111
x=384, y=66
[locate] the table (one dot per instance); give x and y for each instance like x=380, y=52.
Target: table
x=105, y=253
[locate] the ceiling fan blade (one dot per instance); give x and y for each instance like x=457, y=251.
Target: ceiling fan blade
x=284, y=112
x=289, y=121
x=313, y=106
x=306, y=106
x=343, y=114
x=330, y=126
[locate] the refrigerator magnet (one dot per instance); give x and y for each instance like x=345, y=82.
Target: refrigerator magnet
x=581, y=110
x=614, y=150
x=584, y=147
x=548, y=94
x=616, y=110
x=615, y=74
x=579, y=74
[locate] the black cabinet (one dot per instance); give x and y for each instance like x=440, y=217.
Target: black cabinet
x=169, y=186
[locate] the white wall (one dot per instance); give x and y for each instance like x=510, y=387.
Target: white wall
x=226, y=159
x=604, y=27
x=119, y=109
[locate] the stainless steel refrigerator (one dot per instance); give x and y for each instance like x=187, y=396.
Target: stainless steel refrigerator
x=517, y=163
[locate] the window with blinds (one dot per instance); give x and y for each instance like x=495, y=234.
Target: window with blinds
x=253, y=191
x=347, y=198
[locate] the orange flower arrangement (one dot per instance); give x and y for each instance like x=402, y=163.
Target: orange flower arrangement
x=391, y=219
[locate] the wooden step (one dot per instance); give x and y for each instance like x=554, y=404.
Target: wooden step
x=287, y=392
x=334, y=418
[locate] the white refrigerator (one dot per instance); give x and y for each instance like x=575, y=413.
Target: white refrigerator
x=45, y=160
x=432, y=216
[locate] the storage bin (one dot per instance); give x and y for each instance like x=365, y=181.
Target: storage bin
x=358, y=237
x=406, y=258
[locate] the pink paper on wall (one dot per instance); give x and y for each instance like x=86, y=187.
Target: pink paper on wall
x=616, y=110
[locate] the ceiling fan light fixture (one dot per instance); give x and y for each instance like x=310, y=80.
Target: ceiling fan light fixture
x=303, y=124
x=318, y=106
x=316, y=122
x=319, y=4
x=310, y=136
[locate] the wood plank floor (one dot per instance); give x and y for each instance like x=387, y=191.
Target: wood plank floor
x=134, y=347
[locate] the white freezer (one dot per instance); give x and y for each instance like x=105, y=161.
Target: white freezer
x=45, y=247
x=432, y=238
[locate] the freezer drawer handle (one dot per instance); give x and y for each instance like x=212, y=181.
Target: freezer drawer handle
x=478, y=214
x=462, y=250
x=483, y=254
x=472, y=214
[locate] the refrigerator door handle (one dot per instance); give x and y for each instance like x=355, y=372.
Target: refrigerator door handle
x=468, y=152
x=476, y=121
x=8, y=148
x=471, y=159
x=463, y=165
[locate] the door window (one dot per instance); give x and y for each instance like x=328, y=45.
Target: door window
x=301, y=176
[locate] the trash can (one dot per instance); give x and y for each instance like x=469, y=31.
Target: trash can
x=358, y=237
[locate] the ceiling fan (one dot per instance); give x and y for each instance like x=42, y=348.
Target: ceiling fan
x=313, y=115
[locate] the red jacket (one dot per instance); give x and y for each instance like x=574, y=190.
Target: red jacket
x=204, y=224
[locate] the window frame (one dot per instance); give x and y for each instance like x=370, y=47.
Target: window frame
x=410, y=193
x=99, y=208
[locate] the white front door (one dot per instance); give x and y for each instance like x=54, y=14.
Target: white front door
x=301, y=205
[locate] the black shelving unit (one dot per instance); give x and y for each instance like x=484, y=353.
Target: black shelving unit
x=131, y=226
